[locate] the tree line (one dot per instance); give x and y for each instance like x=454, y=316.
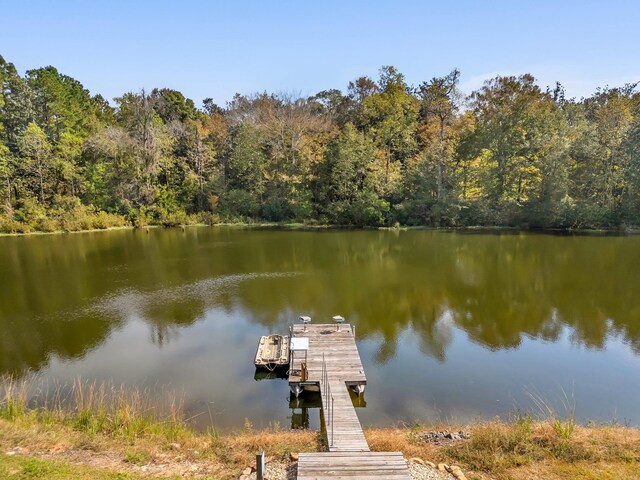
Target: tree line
x=384, y=153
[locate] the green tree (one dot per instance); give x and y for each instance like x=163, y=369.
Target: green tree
x=335, y=106
x=201, y=155
x=6, y=175
x=172, y=105
x=439, y=102
x=67, y=155
x=112, y=170
x=152, y=142
x=292, y=136
x=17, y=109
x=602, y=152
x=353, y=193
x=247, y=164
x=389, y=117
x=358, y=90
x=35, y=151
x=61, y=104
x=631, y=181
x=517, y=142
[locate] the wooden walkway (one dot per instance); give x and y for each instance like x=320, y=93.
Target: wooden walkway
x=352, y=466
x=333, y=365
x=344, y=432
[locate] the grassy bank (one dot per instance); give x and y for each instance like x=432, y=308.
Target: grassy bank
x=89, y=430
x=32, y=448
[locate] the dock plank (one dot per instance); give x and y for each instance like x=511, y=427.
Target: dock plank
x=352, y=466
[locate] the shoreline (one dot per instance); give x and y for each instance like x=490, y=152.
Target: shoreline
x=297, y=226
x=67, y=232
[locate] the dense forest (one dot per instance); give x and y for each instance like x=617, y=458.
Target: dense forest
x=385, y=153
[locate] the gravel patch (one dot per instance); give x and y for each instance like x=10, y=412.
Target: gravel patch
x=288, y=471
x=278, y=471
x=425, y=472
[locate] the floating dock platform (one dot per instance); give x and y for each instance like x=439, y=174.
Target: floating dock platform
x=327, y=347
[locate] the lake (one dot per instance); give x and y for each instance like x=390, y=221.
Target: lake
x=451, y=326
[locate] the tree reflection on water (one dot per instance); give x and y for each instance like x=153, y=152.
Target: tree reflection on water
x=63, y=295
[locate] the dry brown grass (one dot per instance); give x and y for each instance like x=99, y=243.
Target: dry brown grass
x=213, y=456
x=495, y=450
x=525, y=450
x=93, y=407
x=241, y=448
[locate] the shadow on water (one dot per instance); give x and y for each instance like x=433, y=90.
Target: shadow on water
x=302, y=408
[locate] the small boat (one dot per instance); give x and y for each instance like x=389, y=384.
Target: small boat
x=273, y=352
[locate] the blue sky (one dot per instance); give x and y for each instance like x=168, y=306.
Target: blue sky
x=214, y=49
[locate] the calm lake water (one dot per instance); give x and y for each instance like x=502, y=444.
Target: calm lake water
x=450, y=326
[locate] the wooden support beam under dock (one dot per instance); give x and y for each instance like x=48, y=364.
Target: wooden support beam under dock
x=326, y=358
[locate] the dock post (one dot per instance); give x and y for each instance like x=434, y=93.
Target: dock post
x=260, y=466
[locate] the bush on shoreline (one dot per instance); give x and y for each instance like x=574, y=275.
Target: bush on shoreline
x=33, y=219
x=65, y=214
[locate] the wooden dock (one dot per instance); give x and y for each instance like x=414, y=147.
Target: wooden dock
x=329, y=362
